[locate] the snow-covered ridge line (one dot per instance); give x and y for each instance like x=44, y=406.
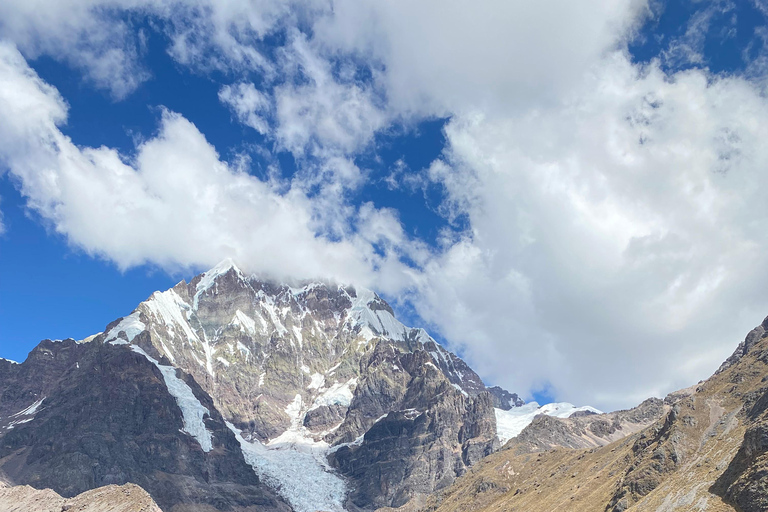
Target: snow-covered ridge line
x=9, y=360
x=209, y=277
x=510, y=423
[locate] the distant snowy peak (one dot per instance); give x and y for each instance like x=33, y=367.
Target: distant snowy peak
x=510, y=423
x=208, y=279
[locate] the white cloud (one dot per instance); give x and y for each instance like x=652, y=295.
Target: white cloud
x=321, y=114
x=81, y=33
x=442, y=58
x=250, y=105
x=175, y=203
x=618, y=242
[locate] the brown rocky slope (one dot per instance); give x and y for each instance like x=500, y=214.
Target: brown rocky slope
x=110, y=498
x=709, y=452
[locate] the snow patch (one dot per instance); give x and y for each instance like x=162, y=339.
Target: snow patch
x=32, y=409
x=131, y=325
x=167, y=307
x=192, y=410
x=317, y=382
x=245, y=323
x=87, y=339
x=299, y=336
x=338, y=394
x=269, y=307
x=223, y=361
x=243, y=349
x=459, y=388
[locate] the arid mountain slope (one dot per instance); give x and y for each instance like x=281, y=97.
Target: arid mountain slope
x=709, y=452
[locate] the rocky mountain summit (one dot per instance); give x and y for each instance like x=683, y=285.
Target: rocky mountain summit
x=232, y=392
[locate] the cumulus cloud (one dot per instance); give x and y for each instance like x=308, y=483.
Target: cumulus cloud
x=81, y=33
x=319, y=113
x=618, y=242
x=443, y=58
x=175, y=202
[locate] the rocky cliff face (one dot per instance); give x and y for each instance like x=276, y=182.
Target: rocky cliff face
x=503, y=399
x=79, y=416
x=229, y=378
x=426, y=434
x=707, y=451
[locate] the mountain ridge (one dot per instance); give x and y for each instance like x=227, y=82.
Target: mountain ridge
x=707, y=450
x=313, y=375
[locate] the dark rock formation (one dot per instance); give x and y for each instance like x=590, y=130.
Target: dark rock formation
x=754, y=336
x=428, y=435
x=106, y=417
x=503, y=399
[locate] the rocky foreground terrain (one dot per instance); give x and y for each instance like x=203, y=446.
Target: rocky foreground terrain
x=707, y=452
x=112, y=498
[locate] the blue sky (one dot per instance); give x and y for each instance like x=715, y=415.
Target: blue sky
x=551, y=191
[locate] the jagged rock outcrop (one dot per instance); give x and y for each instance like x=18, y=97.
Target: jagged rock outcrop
x=707, y=451
x=428, y=433
x=503, y=399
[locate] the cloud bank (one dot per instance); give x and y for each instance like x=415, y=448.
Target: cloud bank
x=613, y=233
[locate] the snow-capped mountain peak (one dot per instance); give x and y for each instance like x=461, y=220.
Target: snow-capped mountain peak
x=313, y=364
